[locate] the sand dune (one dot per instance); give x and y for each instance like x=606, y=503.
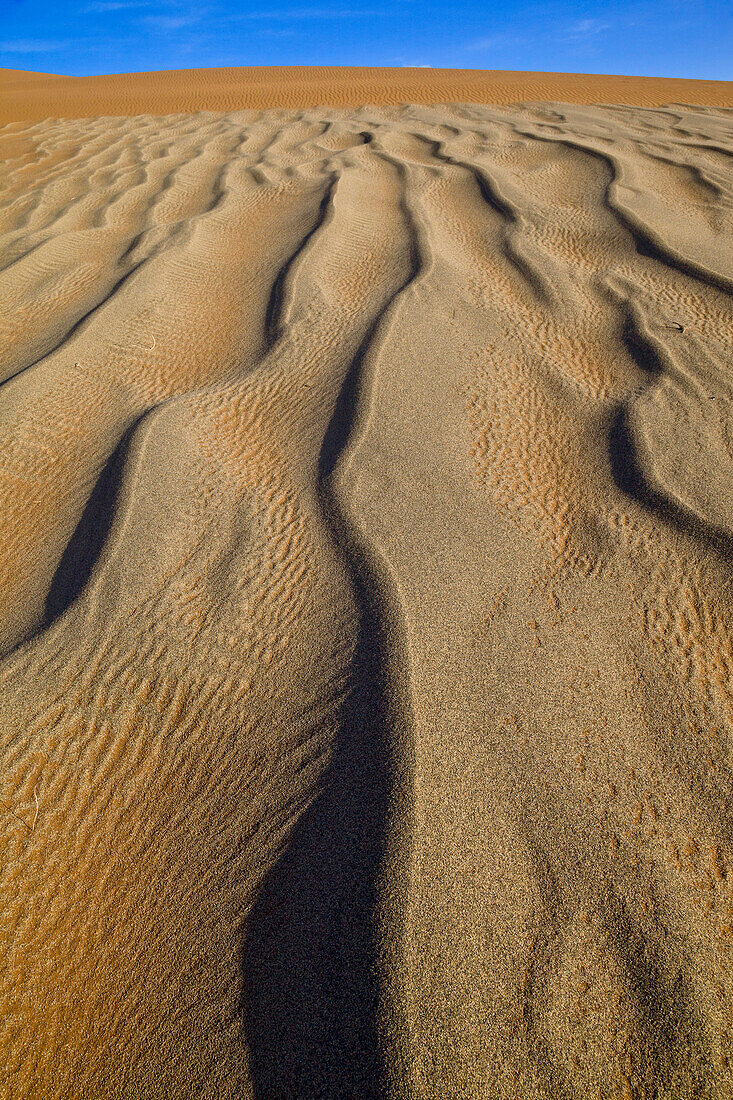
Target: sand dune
x=35, y=96
x=366, y=491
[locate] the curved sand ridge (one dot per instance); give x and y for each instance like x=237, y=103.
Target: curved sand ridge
x=33, y=96
x=365, y=702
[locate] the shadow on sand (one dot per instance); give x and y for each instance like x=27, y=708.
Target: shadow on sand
x=313, y=995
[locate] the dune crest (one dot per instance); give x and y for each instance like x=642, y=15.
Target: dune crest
x=365, y=620
x=35, y=96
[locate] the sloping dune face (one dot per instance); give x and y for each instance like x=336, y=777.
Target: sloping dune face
x=32, y=96
x=366, y=507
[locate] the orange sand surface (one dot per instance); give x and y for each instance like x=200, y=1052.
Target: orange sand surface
x=366, y=559
x=29, y=96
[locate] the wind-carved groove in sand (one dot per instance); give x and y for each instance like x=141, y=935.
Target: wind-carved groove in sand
x=327, y=915
x=510, y=215
x=626, y=465
x=177, y=234
x=277, y=305
x=99, y=528
x=77, y=326
x=90, y=535
x=101, y=503
x=647, y=242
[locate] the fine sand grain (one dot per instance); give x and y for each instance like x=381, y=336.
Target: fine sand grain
x=366, y=512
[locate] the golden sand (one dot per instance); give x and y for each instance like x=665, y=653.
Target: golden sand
x=34, y=96
x=366, y=508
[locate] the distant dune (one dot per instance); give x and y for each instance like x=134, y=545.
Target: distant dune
x=366, y=634
x=30, y=96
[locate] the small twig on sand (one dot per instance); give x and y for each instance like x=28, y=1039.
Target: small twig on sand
x=35, y=819
x=677, y=325
x=20, y=820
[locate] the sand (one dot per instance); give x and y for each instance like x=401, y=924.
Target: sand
x=35, y=96
x=366, y=506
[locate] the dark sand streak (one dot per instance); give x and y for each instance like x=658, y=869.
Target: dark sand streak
x=316, y=1007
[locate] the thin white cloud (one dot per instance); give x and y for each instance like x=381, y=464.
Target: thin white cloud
x=99, y=7
x=30, y=45
x=171, y=22
x=491, y=42
x=277, y=32
x=583, y=30
x=308, y=13
x=586, y=28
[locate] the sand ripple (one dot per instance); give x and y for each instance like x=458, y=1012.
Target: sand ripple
x=366, y=484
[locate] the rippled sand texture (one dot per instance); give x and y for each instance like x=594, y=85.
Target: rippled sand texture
x=366, y=491
x=25, y=95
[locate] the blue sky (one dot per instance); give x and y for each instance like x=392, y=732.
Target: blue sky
x=688, y=38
